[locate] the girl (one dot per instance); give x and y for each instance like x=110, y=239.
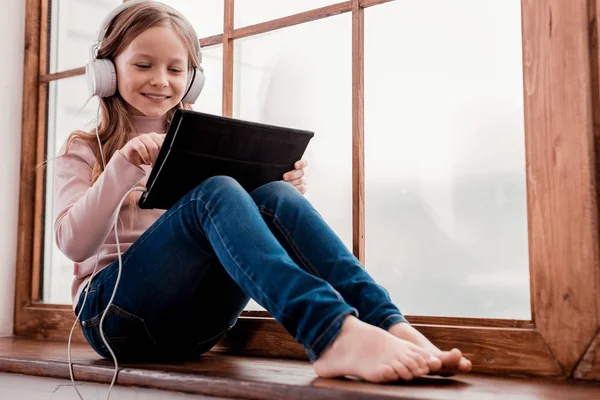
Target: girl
x=188, y=273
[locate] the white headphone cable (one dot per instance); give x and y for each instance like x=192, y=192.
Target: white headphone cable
x=139, y=189
x=75, y=324
x=98, y=137
x=112, y=297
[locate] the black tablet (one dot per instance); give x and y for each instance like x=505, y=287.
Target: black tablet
x=198, y=146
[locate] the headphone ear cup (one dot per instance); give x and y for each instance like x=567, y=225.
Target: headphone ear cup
x=194, y=86
x=101, y=78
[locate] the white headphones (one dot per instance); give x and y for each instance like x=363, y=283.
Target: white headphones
x=101, y=74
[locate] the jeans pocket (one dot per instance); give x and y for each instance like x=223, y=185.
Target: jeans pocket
x=125, y=332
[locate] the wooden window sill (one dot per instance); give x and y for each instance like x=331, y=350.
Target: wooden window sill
x=233, y=376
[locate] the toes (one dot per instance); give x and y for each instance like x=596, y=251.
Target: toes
x=423, y=367
x=434, y=364
x=403, y=371
x=464, y=365
x=389, y=374
x=427, y=360
x=413, y=367
x=421, y=350
x=451, y=359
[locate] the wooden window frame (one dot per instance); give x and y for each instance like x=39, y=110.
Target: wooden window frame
x=562, y=131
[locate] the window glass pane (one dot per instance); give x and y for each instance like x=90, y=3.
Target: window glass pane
x=206, y=16
x=257, y=11
x=74, y=25
x=73, y=29
x=275, y=83
x=210, y=100
x=65, y=99
x=446, y=209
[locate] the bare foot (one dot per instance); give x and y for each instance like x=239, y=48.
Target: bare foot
x=453, y=361
x=370, y=353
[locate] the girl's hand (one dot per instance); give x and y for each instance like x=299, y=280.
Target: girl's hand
x=143, y=149
x=296, y=177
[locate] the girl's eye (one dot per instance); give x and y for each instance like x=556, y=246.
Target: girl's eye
x=175, y=70
x=143, y=66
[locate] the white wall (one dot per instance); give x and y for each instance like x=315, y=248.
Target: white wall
x=12, y=25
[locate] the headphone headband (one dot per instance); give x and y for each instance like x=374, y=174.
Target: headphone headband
x=108, y=19
x=118, y=10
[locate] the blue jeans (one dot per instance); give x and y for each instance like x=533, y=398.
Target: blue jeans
x=187, y=279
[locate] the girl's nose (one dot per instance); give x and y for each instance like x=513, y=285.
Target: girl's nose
x=159, y=78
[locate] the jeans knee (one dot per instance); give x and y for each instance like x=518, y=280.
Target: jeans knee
x=277, y=192
x=219, y=181
x=217, y=184
x=217, y=189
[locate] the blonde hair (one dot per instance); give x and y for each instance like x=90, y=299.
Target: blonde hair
x=116, y=124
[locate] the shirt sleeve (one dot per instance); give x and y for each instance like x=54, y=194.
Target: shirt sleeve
x=84, y=213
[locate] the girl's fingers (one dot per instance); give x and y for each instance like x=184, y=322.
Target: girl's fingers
x=295, y=174
x=158, y=138
x=151, y=145
x=142, y=151
x=297, y=182
x=300, y=164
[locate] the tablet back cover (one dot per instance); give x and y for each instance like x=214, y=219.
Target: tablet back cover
x=199, y=146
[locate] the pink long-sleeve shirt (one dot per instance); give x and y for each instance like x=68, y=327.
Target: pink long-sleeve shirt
x=85, y=213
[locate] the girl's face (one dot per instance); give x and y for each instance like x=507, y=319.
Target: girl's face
x=152, y=71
